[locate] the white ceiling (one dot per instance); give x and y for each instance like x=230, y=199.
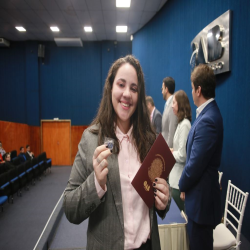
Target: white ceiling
x=36, y=16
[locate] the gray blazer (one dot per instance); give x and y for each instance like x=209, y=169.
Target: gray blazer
x=157, y=121
x=106, y=224
x=169, y=123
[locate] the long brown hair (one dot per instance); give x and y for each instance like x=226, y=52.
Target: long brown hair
x=143, y=133
x=184, y=109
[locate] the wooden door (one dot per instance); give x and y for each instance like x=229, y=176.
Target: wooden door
x=56, y=141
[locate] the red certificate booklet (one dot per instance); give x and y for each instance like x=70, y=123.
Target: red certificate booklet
x=158, y=163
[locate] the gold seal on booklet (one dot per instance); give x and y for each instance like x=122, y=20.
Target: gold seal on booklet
x=146, y=186
x=156, y=168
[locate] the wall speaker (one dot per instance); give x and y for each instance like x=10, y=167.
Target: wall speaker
x=41, y=50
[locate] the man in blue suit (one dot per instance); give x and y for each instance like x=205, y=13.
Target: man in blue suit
x=22, y=155
x=199, y=178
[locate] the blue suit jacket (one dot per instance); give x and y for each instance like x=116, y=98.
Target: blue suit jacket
x=199, y=178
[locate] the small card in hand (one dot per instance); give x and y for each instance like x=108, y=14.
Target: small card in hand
x=158, y=163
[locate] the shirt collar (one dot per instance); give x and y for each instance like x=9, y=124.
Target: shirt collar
x=152, y=113
x=199, y=109
x=120, y=136
x=169, y=99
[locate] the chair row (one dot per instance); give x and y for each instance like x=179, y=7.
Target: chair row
x=14, y=180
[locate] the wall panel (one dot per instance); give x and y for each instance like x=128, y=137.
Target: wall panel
x=14, y=135
x=35, y=140
x=76, y=135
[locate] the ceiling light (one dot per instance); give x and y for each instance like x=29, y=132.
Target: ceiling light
x=20, y=28
x=88, y=29
x=123, y=3
x=121, y=29
x=54, y=29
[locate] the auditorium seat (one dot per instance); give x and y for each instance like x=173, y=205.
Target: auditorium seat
x=2, y=168
x=5, y=185
x=3, y=199
x=35, y=166
x=29, y=171
x=22, y=177
x=13, y=154
x=16, y=161
x=14, y=182
x=47, y=161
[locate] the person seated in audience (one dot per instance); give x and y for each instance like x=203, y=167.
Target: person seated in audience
x=22, y=155
x=8, y=164
x=2, y=151
x=29, y=155
x=1, y=159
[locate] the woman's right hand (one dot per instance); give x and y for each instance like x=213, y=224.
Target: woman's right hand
x=100, y=164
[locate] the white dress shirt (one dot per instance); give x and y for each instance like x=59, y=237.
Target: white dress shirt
x=199, y=109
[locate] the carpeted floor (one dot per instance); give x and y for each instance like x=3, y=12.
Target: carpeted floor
x=21, y=223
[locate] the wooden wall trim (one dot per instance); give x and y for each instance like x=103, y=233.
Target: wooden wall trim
x=14, y=135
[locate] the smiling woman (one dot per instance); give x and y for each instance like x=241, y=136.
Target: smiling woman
x=125, y=95
x=99, y=186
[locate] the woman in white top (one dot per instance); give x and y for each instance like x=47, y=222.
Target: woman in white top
x=181, y=108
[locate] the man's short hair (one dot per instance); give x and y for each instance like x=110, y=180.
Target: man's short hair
x=204, y=77
x=21, y=148
x=169, y=83
x=150, y=100
x=27, y=146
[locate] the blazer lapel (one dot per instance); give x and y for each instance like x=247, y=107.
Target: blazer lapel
x=153, y=118
x=115, y=184
x=211, y=104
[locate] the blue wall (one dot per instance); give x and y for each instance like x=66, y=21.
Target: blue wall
x=163, y=48
x=67, y=84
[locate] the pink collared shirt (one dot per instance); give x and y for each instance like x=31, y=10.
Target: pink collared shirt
x=135, y=211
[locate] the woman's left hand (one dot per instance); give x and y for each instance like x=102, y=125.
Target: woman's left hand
x=161, y=193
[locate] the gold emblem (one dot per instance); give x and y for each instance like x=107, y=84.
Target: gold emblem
x=156, y=168
x=146, y=186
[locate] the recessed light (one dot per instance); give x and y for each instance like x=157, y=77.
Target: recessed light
x=123, y=3
x=54, y=29
x=121, y=29
x=88, y=29
x=20, y=28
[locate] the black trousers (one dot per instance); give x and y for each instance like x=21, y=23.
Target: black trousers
x=145, y=246
x=200, y=236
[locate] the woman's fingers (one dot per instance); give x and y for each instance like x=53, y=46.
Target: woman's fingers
x=161, y=192
x=100, y=164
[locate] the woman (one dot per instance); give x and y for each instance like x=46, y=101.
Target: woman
x=99, y=187
x=181, y=108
